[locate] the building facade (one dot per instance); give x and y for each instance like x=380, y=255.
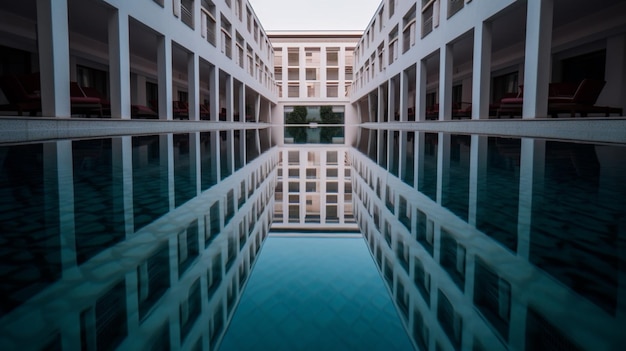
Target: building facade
x=428, y=132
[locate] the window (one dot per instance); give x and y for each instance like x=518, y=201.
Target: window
x=408, y=31
x=226, y=41
x=393, y=45
x=454, y=6
x=186, y=12
x=207, y=21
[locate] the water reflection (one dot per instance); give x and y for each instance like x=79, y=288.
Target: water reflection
x=523, y=229
x=148, y=241
x=103, y=239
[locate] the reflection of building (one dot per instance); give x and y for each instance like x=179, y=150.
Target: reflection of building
x=485, y=242
x=314, y=190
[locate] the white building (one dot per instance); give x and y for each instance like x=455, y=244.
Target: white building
x=194, y=98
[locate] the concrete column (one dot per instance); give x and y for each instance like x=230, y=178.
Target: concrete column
x=214, y=93
x=54, y=57
x=302, y=72
x=257, y=110
x=119, y=64
x=242, y=103
x=381, y=105
x=164, y=67
x=537, y=58
x=478, y=169
x=445, y=82
x=193, y=85
x=229, y=98
x=404, y=96
x=614, y=93
x=420, y=91
x=391, y=99
x=481, y=78
x=323, y=64
x=532, y=169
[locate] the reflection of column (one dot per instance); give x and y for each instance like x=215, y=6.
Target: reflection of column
x=194, y=159
x=193, y=85
x=122, y=162
x=324, y=181
x=420, y=91
x=59, y=194
x=481, y=78
x=341, y=185
x=418, y=168
x=119, y=64
x=166, y=153
x=443, y=167
x=532, y=168
x=402, y=145
x=445, y=82
x=54, y=56
x=164, y=67
x=537, y=57
x=478, y=173
x=214, y=148
x=230, y=147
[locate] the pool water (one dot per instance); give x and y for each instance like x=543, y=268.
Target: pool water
x=315, y=294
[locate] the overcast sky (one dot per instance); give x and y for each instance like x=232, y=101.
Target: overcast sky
x=314, y=14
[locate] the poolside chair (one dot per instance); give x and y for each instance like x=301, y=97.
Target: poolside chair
x=582, y=101
x=22, y=94
x=82, y=104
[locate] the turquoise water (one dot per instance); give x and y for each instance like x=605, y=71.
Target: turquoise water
x=315, y=294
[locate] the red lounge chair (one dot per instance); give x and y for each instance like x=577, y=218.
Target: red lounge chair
x=22, y=94
x=136, y=111
x=180, y=110
x=582, y=102
x=82, y=104
x=564, y=98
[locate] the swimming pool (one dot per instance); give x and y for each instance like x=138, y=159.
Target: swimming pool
x=155, y=241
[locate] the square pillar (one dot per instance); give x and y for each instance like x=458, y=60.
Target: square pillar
x=119, y=65
x=193, y=86
x=537, y=58
x=54, y=57
x=404, y=96
x=214, y=93
x=164, y=68
x=481, y=78
x=445, y=82
x=420, y=91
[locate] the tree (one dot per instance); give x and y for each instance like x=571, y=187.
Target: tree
x=327, y=116
x=297, y=116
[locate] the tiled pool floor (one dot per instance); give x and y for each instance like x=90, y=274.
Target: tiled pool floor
x=315, y=294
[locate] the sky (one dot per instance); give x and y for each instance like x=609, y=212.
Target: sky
x=314, y=14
